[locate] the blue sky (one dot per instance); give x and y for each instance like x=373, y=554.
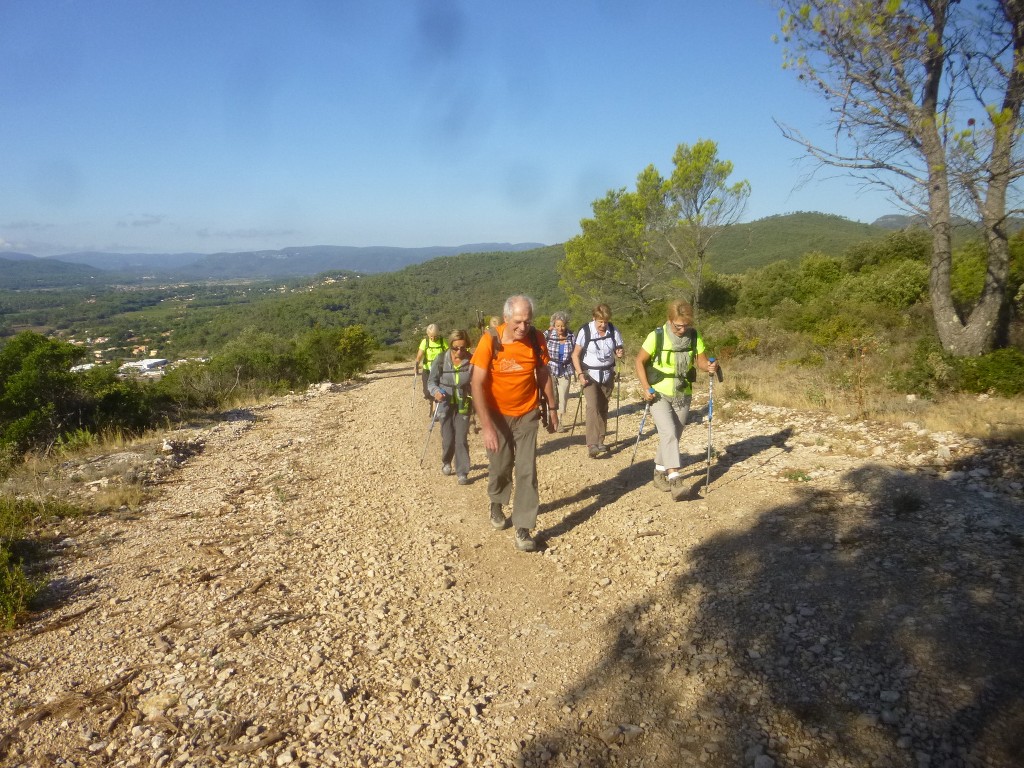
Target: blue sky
x=227, y=125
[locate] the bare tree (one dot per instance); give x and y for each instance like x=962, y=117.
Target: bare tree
x=926, y=99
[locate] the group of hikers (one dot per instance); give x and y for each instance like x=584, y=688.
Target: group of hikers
x=519, y=378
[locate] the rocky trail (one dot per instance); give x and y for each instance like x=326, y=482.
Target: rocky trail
x=299, y=591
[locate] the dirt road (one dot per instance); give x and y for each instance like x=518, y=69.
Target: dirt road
x=302, y=592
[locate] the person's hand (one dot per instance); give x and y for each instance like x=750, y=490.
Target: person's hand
x=490, y=437
x=712, y=366
x=439, y=396
x=584, y=379
x=552, y=421
x=648, y=395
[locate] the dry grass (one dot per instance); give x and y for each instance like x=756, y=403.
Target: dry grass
x=831, y=389
x=96, y=475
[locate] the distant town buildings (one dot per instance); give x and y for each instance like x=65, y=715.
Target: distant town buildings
x=148, y=366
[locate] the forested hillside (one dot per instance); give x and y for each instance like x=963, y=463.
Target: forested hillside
x=786, y=238
x=453, y=291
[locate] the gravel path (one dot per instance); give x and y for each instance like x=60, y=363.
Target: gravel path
x=301, y=592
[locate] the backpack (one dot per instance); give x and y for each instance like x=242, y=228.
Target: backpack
x=610, y=334
x=427, y=346
x=497, y=346
x=659, y=343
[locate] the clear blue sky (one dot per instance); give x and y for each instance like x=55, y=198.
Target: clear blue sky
x=227, y=125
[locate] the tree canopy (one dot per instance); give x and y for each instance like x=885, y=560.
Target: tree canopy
x=926, y=99
x=642, y=246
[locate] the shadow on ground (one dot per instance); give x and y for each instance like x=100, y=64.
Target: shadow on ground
x=879, y=625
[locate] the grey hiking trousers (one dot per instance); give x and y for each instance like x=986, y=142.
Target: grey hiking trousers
x=516, y=458
x=454, y=439
x=670, y=416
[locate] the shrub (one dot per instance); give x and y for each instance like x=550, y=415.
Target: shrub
x=909, y=245
x=1000, y=372
x=762, y=289
x=15, y=589
x=897, y=284
x=929, y=371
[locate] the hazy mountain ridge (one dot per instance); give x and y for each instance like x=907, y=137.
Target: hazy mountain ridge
x=31, y=272
x=23, y=271
x=783, y=237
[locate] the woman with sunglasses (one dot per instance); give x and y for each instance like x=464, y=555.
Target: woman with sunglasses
x=448, y=383
x=666, y=367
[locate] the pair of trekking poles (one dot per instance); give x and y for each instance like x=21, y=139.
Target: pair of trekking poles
x=711, y=410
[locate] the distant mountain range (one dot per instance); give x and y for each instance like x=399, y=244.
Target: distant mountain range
x=734, y=250
x=22, y=270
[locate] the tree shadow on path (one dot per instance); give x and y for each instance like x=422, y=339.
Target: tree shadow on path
x=878, y=624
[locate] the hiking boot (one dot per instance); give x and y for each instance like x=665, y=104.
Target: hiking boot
x=603, y=449
x=659, y=482
x=594, y=451
x=524, y=541
x=678, y=489
x=463, y=480
x=446, y=469
x=498, y=520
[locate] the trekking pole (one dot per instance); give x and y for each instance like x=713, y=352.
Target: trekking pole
x=430, y=429
x=711, y=410
x=579, y=407
x=647, y=409
x=618, y=398
x=563, y=407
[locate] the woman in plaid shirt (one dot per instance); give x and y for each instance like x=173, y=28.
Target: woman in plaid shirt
x=560, y=345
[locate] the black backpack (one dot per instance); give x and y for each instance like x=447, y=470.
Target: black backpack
x=586, y=342
x=497, y=346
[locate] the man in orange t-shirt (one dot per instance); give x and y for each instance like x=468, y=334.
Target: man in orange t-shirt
x=510, y=379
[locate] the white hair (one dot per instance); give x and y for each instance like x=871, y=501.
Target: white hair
x=512, y=301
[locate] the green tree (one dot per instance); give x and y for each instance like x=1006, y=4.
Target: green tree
x=355, y=349
x=926, y=100
x=334, y=354
x=701, y=204
x=614, y=258
x=40, y=397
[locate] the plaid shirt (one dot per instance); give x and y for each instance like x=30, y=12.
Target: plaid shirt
x=560, y=353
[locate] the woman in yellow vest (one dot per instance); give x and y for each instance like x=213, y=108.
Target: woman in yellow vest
x=429, y=350
x=666, y=366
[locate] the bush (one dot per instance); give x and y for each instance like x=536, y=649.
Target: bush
x=1000, y=372
x=335, y=354
x=929, y=371
x=909, y=245
x=898, y=284
x=15, y=589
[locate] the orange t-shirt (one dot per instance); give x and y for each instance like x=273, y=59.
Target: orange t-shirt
x=511, y=388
